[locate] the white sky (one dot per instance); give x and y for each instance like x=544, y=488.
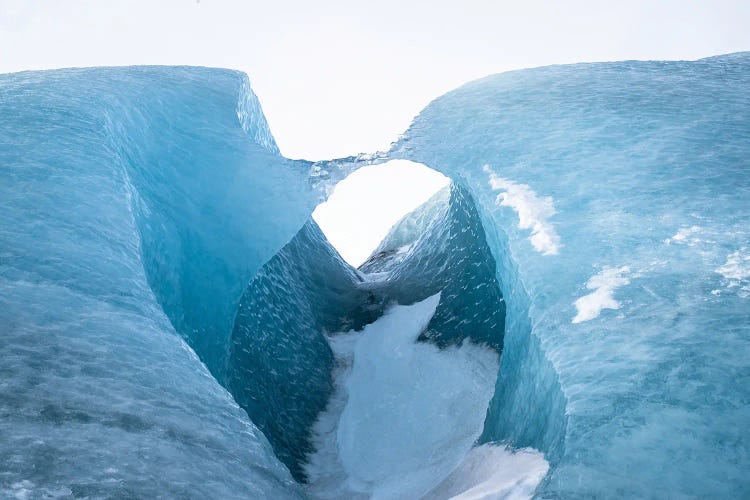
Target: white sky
x=364, y=206
x=340, y=77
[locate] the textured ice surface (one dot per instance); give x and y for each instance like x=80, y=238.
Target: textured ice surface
x=131, y=206
x=652, y=397
x=441, y=247
x=364, y=206
x=139, y=205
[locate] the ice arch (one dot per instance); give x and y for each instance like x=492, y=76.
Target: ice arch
x=145, y=205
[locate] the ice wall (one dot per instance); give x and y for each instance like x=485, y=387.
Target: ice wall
x=133, y=203
x=441, y=247
x=615, y=200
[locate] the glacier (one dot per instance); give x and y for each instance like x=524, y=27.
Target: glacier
x=174, y=323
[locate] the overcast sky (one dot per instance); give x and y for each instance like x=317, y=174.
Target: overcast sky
x=365, y=205
x=337, y=78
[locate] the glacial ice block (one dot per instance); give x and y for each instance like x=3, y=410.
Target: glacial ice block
x=133, y=203
x=627, y=183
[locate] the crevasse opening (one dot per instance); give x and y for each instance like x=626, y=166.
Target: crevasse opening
x=198, y=255
x=264, y=330
x=170, y=306
x=365, y=205
x=382, y=376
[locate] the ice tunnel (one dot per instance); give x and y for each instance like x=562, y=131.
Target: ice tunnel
x=568, y=319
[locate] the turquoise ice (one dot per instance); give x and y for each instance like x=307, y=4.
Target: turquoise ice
x=167, y=304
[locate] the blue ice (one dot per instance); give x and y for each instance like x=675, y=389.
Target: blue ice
x=166, y=302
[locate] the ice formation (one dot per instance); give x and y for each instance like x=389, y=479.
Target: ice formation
x=166, y=302
x=439, y=395
x=363, y=207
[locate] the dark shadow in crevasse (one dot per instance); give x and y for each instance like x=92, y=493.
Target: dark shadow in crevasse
x=279, y=364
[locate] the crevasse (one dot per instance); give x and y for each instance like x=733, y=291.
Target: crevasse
x=147, y=205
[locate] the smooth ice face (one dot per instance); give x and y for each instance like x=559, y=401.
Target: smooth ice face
x=279, y=364
x=405, y=413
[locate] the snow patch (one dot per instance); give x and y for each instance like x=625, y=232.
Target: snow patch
x=736, y=271
x=533, y=211
x=23, y=490
x=405, y=415
x=603, y=285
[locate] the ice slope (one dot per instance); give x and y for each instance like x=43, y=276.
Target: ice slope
x=401, y=237
x=615, y=200
x=134, y=207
